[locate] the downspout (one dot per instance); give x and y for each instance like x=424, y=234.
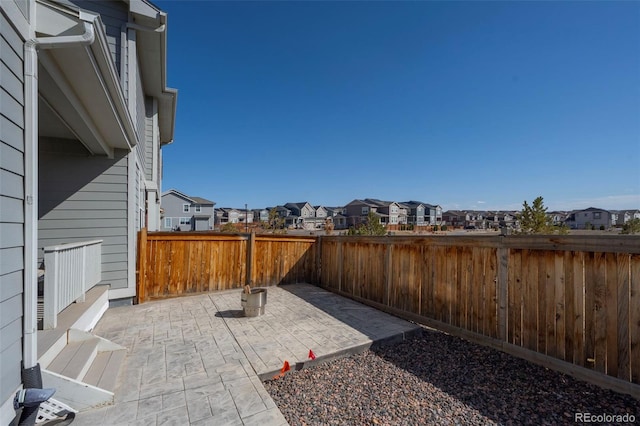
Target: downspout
x=30, y=348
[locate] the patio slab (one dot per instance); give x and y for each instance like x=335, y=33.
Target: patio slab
x=197, y=360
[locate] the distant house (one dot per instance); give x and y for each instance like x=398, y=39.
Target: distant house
x=337, y=217
x=245, y=216
x=455, y=218
x=260, y=215
x=621, y=217
x=557, y=217
x=589, y=218
x=432, y=214
x=415, y=212
x=186, y=213
x=357, y=211
x=321, y=212
x=389, y=212
x=226, y=215
x=302, y=215
x=423, y=214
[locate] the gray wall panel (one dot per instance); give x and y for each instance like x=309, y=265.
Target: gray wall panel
x=88, y=203
x=10, y=285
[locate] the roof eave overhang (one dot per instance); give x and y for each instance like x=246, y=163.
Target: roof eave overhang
x=87, y=77
x=152, y=52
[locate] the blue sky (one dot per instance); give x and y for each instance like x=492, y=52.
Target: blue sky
x=470, y=105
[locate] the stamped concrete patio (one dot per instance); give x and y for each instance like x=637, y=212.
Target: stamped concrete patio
x=197, y=360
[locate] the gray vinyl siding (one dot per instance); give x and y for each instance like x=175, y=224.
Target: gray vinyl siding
x=11, y=207
x=172, y=206
x=148, y=139
x=23, y=5
x=141, y=114
x=113, y=14
x=85, y=198
x=138, y=201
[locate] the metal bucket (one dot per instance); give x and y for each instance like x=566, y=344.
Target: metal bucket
x=253, y=303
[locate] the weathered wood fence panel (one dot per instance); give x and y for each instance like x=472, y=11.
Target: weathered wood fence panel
x=284, y=260
x=451, y=284
x=174, y=264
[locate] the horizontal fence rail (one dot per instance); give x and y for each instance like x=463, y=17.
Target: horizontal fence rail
x=70, y=271
x=557, y=300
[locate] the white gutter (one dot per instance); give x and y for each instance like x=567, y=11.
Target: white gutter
x=30, y=338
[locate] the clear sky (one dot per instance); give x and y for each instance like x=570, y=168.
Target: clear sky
x=470, y=105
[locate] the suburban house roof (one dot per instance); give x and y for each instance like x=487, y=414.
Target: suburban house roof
x=412, y=203
x=593, y=209
x=455, y=213
x=366, y=202
x=192, y=200
x=298, y=205
x=379, y=203
x=199, y=200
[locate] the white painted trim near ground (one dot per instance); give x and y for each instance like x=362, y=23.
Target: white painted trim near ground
x=121, y=293
x=131, y=225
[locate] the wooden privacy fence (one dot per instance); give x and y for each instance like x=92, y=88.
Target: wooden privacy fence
x=174, y=264
x=547, y=299
x=568, y=302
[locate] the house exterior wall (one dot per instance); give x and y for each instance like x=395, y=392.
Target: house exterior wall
x=149, y=145
x=12, y=213
x=85, y=198
x=172, y=205
x=595, y=218
x=173, y=213
x=261, y=215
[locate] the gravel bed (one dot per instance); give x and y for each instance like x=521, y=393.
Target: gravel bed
x=436, y=378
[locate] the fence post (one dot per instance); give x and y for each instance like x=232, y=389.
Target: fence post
x=142, y=264
x=387, y=272
x=340, y=262
x=251, y=244
x=318, y=277
x=502, y=287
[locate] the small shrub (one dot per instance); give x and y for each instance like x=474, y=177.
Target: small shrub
x=631, y=227
x=228, y=227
